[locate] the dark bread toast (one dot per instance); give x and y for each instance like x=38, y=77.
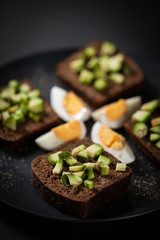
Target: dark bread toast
x=78, y=201
x=144, y=144
x=132, y=85
x=29, y=129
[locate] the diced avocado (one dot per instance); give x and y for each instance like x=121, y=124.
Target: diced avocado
x=10, y=123
x=19, y=116
x=24, y=87
x=76, y=168
x=77, y=65
x=58, y=168
x=108, y=48
x=13, y=108
x=150, y=106
x=35, y=117
x=104, y=160
x=73, y=180
x=140, y=130
x=76, y=150
x=103, y=169
x=78, y=179
x=82, y=156
x=99, y=73
x=36, y=105
x=81, y=174
x=103, y=63
x=71, y=160
x=16, y=98
x=100, y=84
x=13, y=83
x=155, y=129
x=5, y=115
x=158, y=144
x=126, y=69
x=141, y=116
x=63, y=155
x=89, y=52
x=94, y=150
x=121, y=167
x=8, y=92
x=89, y=184
x=115, y=63
x=92, y=63
x=89, y=173
x=53, y=158
x=65, y=180
x=117, y=77
x=155, y=122
x=154, y=137
x=86, y=77
x=34, y=93
x=3, y=105
x=65, y=173
x=90, y=165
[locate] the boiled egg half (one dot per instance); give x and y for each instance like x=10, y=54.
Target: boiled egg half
x=68, y=105
x=115, y=114
x=112, y=142
x=61, y=134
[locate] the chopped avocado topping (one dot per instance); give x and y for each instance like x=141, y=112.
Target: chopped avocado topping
x=103, y=169
x=104, y=160
x=115, y=63
x=58, y=168
x=100, y=84
x=10, y=123
x=35, y=117
x=82, y=156
x=36, y=105
x=117, y=77
x=89, y=173
x=13, y=83
x=5, y=115
x=3, y=105
x=89, y=165
x=73, y=180
x=54, y=158
x=76, y=150
x=155, y=121
x=65, y=180
x=108, y=48
x=141, y=116
x=158, y=144
x=80, y=174
x=140, y=130
x=77, y=65
x=155, y=129
x=150, y=106
x=94, y=150
x=121, y=167
x=71, y=160
x=34, y=93
x=63, y=155
x=89, y=184
x=76, y=168
x=8, y=92
x=89, y=52
x=92, y=63
x=24, y=87
x=154, y=137
x=86, y=77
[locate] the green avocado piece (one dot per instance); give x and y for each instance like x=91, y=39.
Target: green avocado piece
x=158, y=144
x=4, y=115
x=94, y=150
x=155, y=129
x=13, y=83
x=155, y=121
x=8, y=92
x=77, y=65
x=36, y=105
x=89, y=173
x=103, y=169
x=100, y=84
x=65, y=180
x=24, y=87
x=82, y=156
x=71, y=160
x=140, y=130
x=92, y=63
x=73, y=180
x=104, y=160
x=76, y=168
x=35, y=117
x=3, y=105
x=115, y=63
x=86, y=77
x=10, y=123
x=141, y=116
x=154, y=137
x=108, y=48
x=117, y=77
x=89, y=165
x=76, y=150
x=89, y=184
x=58, y=168
x=34, y=93
x=53, y=158
x=89, y=52
x=150, y=106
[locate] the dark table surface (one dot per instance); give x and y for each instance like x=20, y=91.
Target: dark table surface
x=28, y=28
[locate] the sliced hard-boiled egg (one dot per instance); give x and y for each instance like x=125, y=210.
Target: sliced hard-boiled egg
x=68, y=105
x=112, y=142
x=115, y=114
x=61, y=134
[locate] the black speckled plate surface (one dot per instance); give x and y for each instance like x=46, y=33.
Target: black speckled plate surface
x=16, y=187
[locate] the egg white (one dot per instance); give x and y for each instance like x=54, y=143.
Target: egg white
x=57, y=95
x=125, y=154
x=49, y=141
x=133, y=104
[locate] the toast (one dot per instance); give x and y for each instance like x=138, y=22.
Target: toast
x=132, y=85
x=78, y=200
x=147, y=146
x=29, y=129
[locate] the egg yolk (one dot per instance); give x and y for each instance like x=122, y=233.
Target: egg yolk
x=73, y=104
x=110, y=138
x=69, y=131
x=116, y=110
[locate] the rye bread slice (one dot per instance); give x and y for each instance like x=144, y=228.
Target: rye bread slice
x=132, y=85
x=78, y=201
x=144, y=144
x=30, y=129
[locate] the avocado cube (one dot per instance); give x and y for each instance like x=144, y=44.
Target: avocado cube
x=76, y=168
x=115, y=63
x=89, y=52
x=3, y=105
x=65, y=180
x=140, y=130
x=13, y=83
x=13, y=108
x=90, y=173
x=10, y=123
x=155, y=129
x=81, y=174
x=53, y=158
x=34, y=93
x=150, y=106
x=86, y=77
x=82, y=156
x=35, y=117
x=63, y=155
x=71, y=160
x=121, y=167
x=89, y=184
x=36, y=105
x=73, y=180
x=141, y=116
x=77, y=65
x=92, y=63
x=100, y=84
x=117, y=77
x=76, y=150
x=104, y=160
x=58, y=168
x=90, y=165
x=24, y=87
x=8, y=92
x=5, y=115
x=158, y=144
x=94, y=150
x=99, y=73
x=155, y=121
x=103, y=169
x=103, y=63
x=108, y=48
x=154, y=137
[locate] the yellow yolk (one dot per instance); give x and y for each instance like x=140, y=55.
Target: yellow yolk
x=116, y=110
x=73, y=104
x=110, y=138
x=69, y=131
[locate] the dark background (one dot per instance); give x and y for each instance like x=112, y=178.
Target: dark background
x=30, y=27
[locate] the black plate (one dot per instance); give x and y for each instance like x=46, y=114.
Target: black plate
x=16, y=187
